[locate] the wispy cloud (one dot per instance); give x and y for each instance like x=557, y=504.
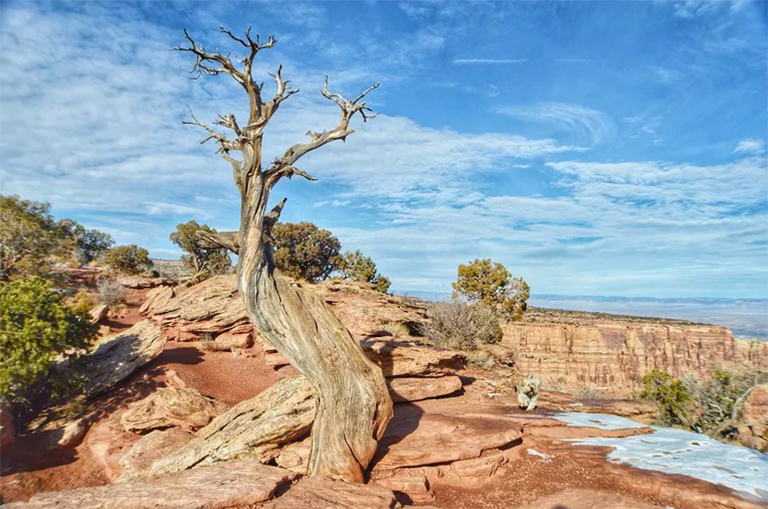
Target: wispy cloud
x=750, y=146
x=462, y=61
x=665, y=74
x=585, y=124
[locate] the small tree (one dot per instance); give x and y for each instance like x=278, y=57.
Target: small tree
x=304, y=251
x=28, y=237
x=203, y=262
x=493, y=285
x=35, y=328
x=84, y=244
x=130, y=259
x=357, y=267
x=670, y=395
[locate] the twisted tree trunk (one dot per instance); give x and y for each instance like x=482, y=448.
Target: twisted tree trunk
x=353, y=404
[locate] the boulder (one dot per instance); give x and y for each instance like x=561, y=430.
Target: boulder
x=213, y=308
x=99, y=313
x=171, y=406
x=152, y=446
x=415, y=438
x=73, y=433
x=366, y=311
x=417, y=389
x=142, y=282
x=325, y=493
x=230, y=484
x=409, y=490
x=399, y=358
x=116, y=358
x=210, y=308
x=295, y=456
x=255, y=428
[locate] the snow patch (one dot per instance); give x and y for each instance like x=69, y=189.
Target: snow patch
x=675, y=451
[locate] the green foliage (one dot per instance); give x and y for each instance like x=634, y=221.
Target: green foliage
x=460, y=325
x=304, y=251
x=85, y=245
x=28, y=237
x=671, y=396
x=357, y=267
x=720, y=397
x=35, y=328
x=493, y=285
x=31, y=240
x=130, y=259
x=202, y=261
x=712, y=406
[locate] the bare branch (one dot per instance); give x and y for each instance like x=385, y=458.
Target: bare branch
x=230, y=122
x=226, y=240
x=223, y=141
x=282, y=167
x=203, y=58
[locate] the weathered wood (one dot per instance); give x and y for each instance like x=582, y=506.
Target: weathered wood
x=353, y=405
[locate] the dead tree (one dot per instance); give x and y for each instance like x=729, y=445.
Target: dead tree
x=353, y=405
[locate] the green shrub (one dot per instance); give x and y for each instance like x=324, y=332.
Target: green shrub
x=460, y=325
x=29, y=236
x=130, y=259
x=493, y=285
x=304, y=251
x=35, y=328
x=358, y=267
x=203, y=262
x=670, y=395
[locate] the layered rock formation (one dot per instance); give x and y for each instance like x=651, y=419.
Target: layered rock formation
x=578, y=350
x=244, y=483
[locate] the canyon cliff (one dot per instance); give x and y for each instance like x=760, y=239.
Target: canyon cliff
x=609, y=354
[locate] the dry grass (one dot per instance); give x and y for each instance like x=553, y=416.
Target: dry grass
x=461, y=326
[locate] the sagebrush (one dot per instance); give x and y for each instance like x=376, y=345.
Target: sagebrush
x=461, y=325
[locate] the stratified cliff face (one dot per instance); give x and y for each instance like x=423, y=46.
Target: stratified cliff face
x=578, y=350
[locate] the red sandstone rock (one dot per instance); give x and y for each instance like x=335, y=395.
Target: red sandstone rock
x=141, y=282
x=73, y=433
x=118, y=357
x=152, y=446
x=230, y=484
x=574, y=498
x=416, y=439
x=417, y=389
x=171, y=406
x=324, y=493
x=409, y=490
x=398, y=358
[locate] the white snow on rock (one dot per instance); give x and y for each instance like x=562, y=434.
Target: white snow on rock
x=675, y=451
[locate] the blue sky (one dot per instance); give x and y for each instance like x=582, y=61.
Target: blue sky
x=594, y=148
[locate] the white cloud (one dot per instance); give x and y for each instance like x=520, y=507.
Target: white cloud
x=665, y=74
x=585, y=124
x=750, y=146
x=489, y=60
